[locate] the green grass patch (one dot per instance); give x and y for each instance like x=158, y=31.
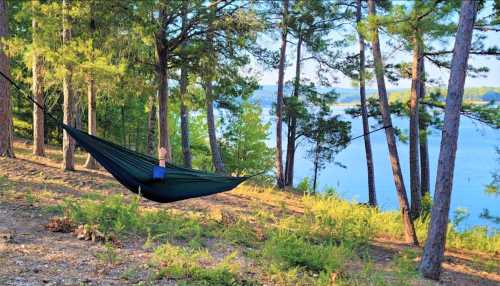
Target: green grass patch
x=195, y=267
x=115, y=216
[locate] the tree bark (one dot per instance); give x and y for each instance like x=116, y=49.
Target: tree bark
x=279, y=99
x=425, y=182
x=292, y=127
x=214, y=145
x=186, y=149
x=91, y=163
x=150, y=137
x=316, y=166
x=161, y=48
x=432, y=257
x=37, y=91
x=6, y=148
x=68, y=142
x=416, y=199
x=409, y=229
x=372, y=196
x=183, y=84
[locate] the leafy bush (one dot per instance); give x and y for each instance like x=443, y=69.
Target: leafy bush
x=116, y=216
x=288, y=250
x=190, y=266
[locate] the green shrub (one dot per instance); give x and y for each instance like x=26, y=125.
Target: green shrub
x=190, y=266
x=287, y=250
x=116, y=216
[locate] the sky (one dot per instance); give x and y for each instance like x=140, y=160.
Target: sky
x=492, y=78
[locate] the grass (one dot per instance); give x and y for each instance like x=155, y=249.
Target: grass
x=315, y=247
x=194, y=267
x=278, y=238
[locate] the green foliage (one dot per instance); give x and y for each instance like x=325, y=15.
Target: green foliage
x=304, y=186
x=109, y=255
x=288, y=250
x=244, y=148
x=188, y=267
x=115, y=216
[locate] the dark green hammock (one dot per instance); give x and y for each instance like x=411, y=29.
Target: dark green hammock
x=135, y=171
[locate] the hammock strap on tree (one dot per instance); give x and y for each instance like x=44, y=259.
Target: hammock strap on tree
x=135, y=170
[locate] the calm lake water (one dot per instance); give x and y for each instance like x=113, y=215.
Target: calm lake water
x=475, y=162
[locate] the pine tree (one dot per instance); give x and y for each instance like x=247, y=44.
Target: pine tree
x=409, y=229
x=432, y=257
x=6, y=148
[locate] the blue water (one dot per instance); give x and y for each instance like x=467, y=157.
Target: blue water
x=476, y=160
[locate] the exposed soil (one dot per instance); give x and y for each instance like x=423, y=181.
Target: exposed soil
x=32, y=255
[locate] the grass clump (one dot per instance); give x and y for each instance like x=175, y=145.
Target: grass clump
x=194, y=267
x=290, y=256
x=115, y=216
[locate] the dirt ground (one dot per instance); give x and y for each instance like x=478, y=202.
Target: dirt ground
x=32, y=255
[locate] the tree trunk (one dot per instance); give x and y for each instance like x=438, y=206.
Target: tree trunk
x=183, y=84
x=123, y=126
x=372, y=196
x=186, y=149
x=91, y=163
x=436, y=238
x=37, y=90
x=214, y=145
x=163, y=92
x=92, y=119
x=409, y=229
x=425, y=181
x=6, y=148
x=77, y=111
x=68, y=142
x=150, y=137
x=316, y=166
x=279, y=99
x=416, y=199
x=292, y=127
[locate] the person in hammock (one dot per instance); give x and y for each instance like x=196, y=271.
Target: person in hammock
x=159, y=172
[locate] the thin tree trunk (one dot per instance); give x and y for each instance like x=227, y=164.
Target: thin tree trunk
x=92, y=119
x=91, y=163
x=416, y=199
x=425, y=182
x=183, y=84
x=292, y=127
x=316, y=167
x=150, y=137
x=186, y=149
x=279, y=99
x=6, y=148
x=77, y=111
x=123, y=127
x=372, y=195
x=163, y=91
x=68, y=142
x=214, y=145
x=37, y=90
x=409, y=229
x=434, y=247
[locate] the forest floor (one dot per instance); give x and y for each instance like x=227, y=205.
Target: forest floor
x=31, y=188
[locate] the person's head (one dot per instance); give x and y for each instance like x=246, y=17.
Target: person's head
x=163, y=152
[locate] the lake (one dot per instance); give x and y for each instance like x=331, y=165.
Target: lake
x=475, y=162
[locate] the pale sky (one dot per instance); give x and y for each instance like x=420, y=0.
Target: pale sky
x=492, y=78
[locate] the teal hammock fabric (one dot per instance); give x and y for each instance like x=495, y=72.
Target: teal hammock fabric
x=135, y=171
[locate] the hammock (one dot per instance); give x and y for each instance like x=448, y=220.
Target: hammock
x=135, y=171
